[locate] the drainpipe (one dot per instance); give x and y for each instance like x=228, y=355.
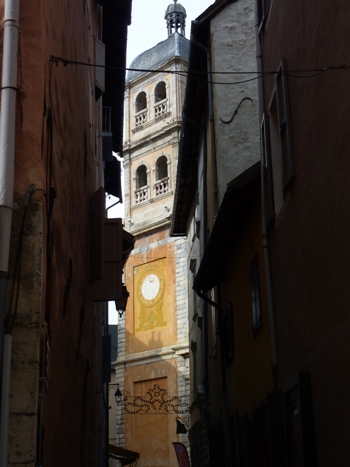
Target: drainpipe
x=265, y=242
x=7, y=165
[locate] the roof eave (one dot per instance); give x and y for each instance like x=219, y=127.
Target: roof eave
x=227, y=224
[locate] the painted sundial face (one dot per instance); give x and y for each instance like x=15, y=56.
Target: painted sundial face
x=150, y=295
x=150, y=287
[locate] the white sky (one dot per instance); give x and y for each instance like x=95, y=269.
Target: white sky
x=148, y=27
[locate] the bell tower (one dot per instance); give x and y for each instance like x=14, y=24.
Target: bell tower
x=153, y=355
x=175, y=16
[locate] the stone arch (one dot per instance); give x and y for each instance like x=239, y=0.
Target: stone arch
x=161, y=175
x=141, y=183
x=161, y=168
x=160, y=92
x=141, y=176
x=141, y=101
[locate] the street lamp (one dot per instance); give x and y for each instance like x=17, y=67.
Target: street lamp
x=121, y=304
x=118, y=395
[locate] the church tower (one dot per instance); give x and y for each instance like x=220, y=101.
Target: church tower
x=152, y=368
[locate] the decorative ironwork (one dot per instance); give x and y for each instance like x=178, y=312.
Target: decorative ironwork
x=156, y=401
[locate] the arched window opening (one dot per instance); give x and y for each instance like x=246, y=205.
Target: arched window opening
x=162, y=168
x=160, y=104
x=141, y=102
x=161, y=185
x=141, y=176
x=141, y=109
x=141, y=184
x=160, y=92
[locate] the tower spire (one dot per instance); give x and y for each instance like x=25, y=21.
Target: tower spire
x=175, y=16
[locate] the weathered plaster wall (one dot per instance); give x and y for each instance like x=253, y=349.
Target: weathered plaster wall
x=160, y=352
x=65, y=162
x=252, y=352
x=309, y=241
x=151, y=434
x=233, y=50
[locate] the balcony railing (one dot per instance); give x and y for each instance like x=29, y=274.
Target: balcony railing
x=141, y=118
x=141, y=194
x=160, y=108
x=161, y=186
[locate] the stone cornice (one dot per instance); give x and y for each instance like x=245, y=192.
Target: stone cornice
x=173, y=127
x=143, y=358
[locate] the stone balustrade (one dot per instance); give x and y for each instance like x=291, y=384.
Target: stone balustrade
x=161, y=186
x=141, y=194
x=160, y=108
x=141, y=118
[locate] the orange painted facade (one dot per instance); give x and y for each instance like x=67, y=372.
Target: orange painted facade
x=58, y=408
x=152, y=364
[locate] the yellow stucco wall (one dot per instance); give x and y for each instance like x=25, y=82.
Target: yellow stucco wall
x=252, y=352
x=152, y=433
x=151, y=326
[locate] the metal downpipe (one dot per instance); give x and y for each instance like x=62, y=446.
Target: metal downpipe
x=7, y=167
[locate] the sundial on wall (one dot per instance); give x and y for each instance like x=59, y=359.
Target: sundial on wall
x=150, y=293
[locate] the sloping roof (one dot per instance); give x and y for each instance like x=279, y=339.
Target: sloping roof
x=175, y=8
x=234, y=207
x=175, y=45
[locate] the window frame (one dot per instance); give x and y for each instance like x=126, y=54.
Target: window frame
x=137, y=185
x=255, y=295
x=155, y=92
x=137, y=110
x=158, y=177
x=284, y=125
x=266, y=164
x=263, y=10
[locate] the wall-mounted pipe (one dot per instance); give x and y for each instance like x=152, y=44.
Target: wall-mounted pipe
x=7, y=126
x=7, y=168
x=265, y=243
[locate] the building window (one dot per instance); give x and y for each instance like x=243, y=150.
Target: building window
x=159, y=92
x=284, y=124
x=255, y=288
x=281, y=139
x=161, y=184
x=141, y=102
x=160, y=103
x=141, y=109
x=267, y=181
x=141, y=192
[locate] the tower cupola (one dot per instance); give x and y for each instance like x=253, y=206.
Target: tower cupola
x=175, y=16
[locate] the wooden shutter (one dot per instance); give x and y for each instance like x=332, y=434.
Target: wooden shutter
x=267, y=180
x=109, y=288
x=284, y=124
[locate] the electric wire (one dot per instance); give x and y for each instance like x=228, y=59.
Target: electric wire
x=297, y=74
